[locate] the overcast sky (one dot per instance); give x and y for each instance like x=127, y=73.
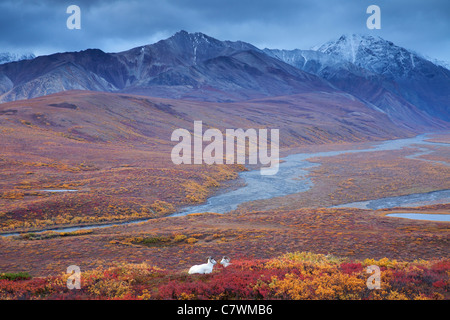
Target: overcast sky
x=39, y=26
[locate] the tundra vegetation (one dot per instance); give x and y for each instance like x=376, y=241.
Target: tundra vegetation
x=115, y=151
x=295, y=275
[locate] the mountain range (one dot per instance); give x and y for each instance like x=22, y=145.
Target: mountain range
x=379, y=72
x=411, y=91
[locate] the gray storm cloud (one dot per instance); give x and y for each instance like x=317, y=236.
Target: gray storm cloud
x=40, y=26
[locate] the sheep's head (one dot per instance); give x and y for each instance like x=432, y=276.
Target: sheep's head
x=225, y=260
x=211, y=259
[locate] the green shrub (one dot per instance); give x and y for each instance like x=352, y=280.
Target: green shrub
x=155, y=240
x=15, y=276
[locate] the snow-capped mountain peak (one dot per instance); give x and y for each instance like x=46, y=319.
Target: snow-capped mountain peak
x=347, y=46
x=374, y=54
x=6, y=57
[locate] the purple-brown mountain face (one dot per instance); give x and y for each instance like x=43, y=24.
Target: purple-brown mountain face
x=398, y=81
x=192, y=66
x=411, y=91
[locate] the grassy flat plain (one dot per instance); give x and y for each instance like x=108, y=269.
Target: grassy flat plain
x=178, y=242
x=267, y=228
x=123, y=172
x=115, y=150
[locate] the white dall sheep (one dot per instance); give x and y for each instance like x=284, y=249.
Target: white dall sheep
x=203, y=268
x=225, y=261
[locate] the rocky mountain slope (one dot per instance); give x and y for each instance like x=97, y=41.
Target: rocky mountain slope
x=398, y=81
x=192, y=66
x=410, y=90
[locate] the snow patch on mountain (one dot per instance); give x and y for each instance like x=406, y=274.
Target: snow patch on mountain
x=376, y=55
x=7, y=57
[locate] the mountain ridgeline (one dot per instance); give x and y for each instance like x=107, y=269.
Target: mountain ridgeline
x=392, y=81
x=392, y=78
x=7, y=57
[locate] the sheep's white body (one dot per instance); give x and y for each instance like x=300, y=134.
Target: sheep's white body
x=203, y=268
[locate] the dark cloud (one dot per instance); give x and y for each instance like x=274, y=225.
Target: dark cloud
x=40, y=26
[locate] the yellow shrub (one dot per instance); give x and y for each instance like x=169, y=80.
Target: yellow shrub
x=394, y=295
x=191, y=240
x=385, y=262
x=179, y=237
x=110, y=288
x=320, y=285
x=146, y=295
x=298, y=258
